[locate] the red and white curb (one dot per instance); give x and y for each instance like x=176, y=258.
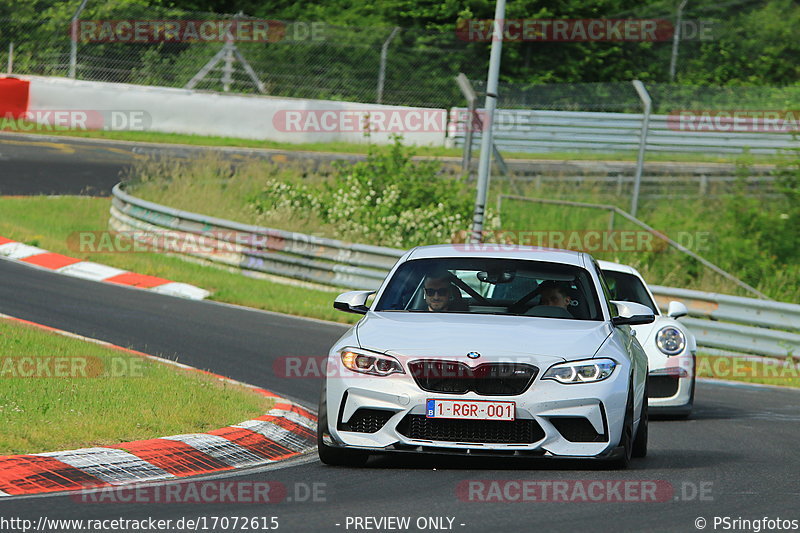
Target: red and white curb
x=285, y=431
x=78, y=268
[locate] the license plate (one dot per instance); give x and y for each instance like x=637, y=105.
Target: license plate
x=470, y=409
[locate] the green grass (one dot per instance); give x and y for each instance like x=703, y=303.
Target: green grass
x=49, y=222
x=361, y=148
x=748, y=370
x=102, y=396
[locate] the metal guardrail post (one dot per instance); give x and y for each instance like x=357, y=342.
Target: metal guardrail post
x=382, y=67
x=472, y=98
x=647, y=103
x=73, y=52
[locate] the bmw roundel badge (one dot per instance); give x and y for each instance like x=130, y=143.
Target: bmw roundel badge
x=473, y=355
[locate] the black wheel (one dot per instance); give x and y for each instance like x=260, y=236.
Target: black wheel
x=626, y=439
x=328, y=454
x=640, y=442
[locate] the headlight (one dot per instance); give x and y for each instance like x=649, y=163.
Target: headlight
x=670, y=340
x=589, y=371
x=365, y=362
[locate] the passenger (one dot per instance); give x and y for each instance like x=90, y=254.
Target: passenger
x=555, y=294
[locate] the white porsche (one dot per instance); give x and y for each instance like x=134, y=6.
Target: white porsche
x=511, y=351
x=669, y=345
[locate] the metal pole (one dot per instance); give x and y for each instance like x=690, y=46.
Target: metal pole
x=676, y=37
x=486, y=135
x=472, y=98
x=73, y=53
x=647, y=102
x=382, y=69
x=227, y=69
x=10, y=58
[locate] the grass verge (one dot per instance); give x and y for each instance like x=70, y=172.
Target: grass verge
x=97, y=396
x=48, y=222
x=749, y=370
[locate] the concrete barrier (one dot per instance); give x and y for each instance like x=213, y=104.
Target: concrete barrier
x=293, y=120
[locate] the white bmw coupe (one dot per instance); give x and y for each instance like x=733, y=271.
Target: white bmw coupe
x=490, y=350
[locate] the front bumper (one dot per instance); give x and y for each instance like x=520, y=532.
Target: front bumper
x=671, y=388
x=553, y=410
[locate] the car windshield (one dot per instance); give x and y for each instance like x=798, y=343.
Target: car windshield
x=492, y=286
x=628, y=288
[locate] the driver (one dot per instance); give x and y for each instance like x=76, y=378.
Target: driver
x=438, y=291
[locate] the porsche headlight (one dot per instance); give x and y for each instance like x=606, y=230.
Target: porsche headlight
x=365, y=362
x=670, y=340
x=589, y=371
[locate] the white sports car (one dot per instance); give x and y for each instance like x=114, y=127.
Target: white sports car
x=516, y=351
x=669, y=345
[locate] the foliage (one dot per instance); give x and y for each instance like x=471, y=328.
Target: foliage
x=388, y=199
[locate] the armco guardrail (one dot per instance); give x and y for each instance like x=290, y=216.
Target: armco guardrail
x=727, y=323
x=253, y=248
x=542, y=131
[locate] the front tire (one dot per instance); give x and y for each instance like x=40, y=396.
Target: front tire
x=626, y=439
x=328, y=454
x=640, y=442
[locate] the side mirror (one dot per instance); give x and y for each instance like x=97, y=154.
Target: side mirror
x=353, y=302
x=677, y=309
x=632, y=314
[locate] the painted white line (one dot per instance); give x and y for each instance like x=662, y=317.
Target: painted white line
x=91, y=271
x=275, y=433
x=17, y=250
x=221, y=449
x=294, y=417
x=110, y=465
x=182, y=290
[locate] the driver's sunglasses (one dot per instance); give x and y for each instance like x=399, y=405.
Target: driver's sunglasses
x=444, y=291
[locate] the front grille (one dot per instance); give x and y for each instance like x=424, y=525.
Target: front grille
x=483, y=431
x=453, y=377
x=577, y=429
x=366, y=420
x=662, y=386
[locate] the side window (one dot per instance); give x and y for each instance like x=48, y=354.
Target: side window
x=612, y=309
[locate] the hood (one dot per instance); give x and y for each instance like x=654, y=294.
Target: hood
x=495, y=337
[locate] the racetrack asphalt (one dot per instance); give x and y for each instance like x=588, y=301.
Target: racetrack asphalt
x=734, y=458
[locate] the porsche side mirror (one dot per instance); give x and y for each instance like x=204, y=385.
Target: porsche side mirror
x=677, y=309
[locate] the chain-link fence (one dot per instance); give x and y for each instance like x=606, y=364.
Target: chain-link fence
x=370, y=64
x=387, y=65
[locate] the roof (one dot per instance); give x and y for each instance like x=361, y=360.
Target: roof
x=499, y=251
x=618, y=267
